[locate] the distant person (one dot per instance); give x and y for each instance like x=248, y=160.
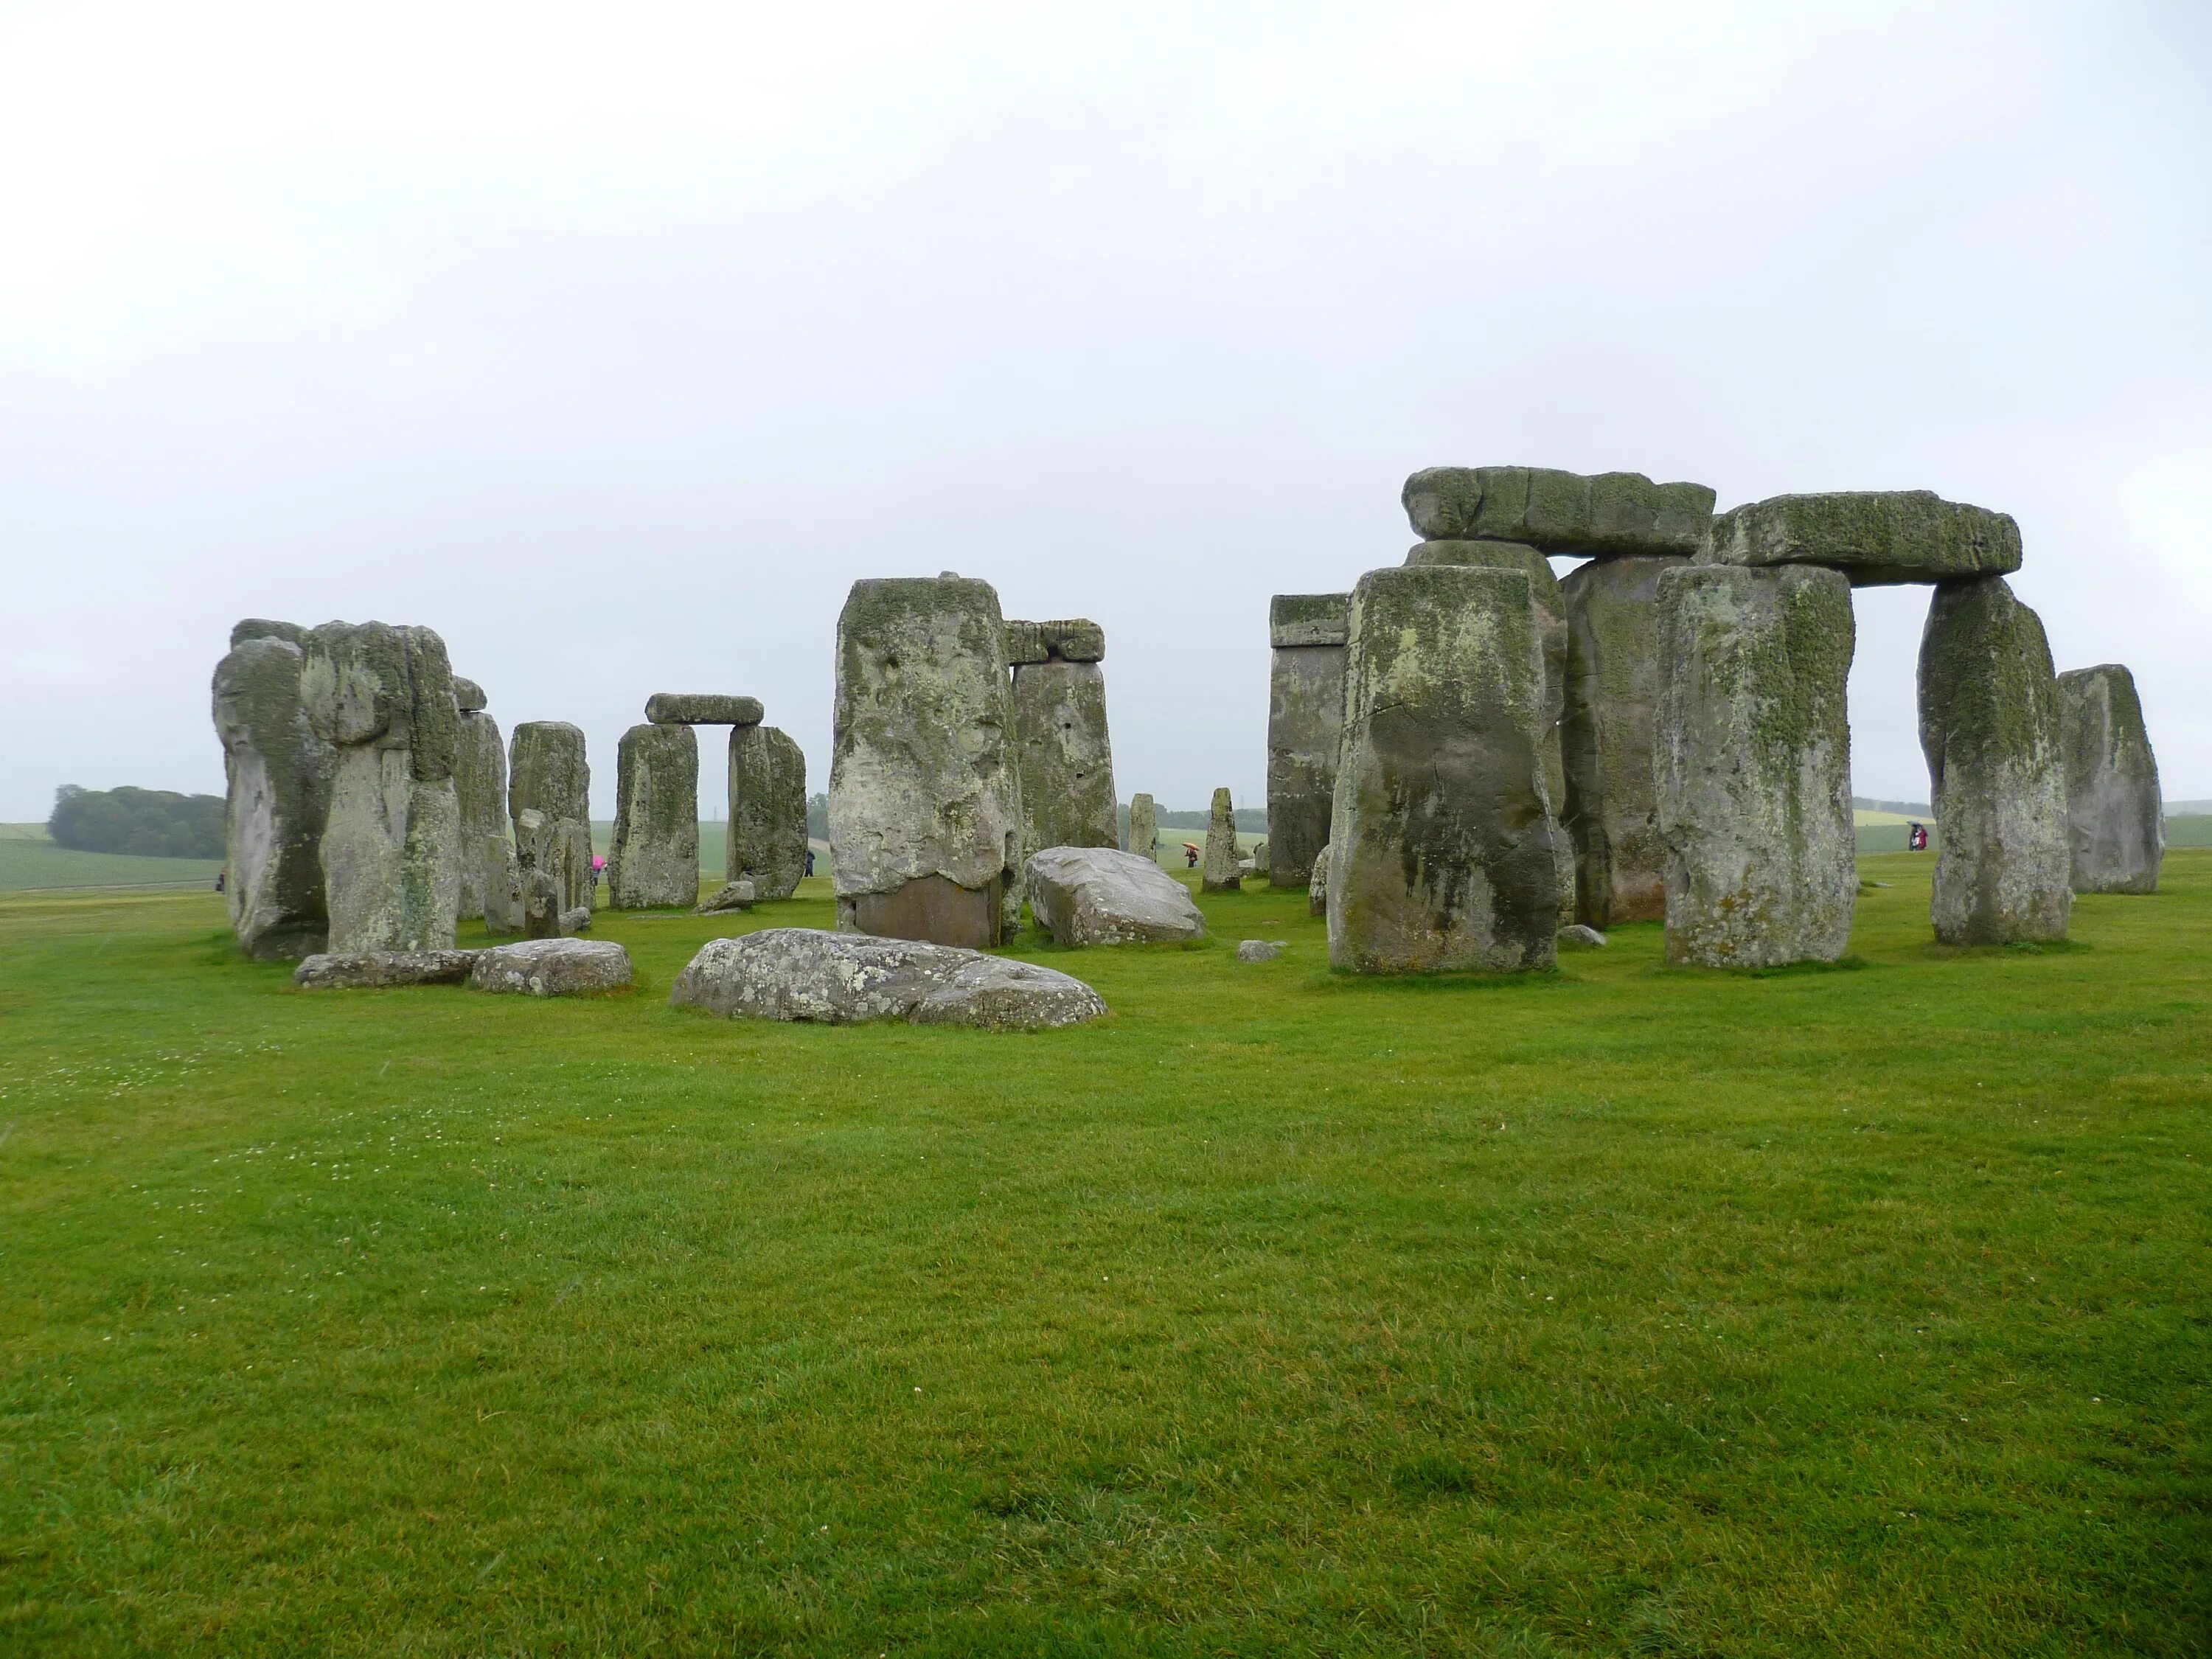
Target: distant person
x=599, y=863
x=219, y=875
x=809, y=860
x=1190, y=854
x=1915, y=838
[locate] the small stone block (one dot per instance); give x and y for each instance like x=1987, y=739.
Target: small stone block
x=701, y=708
x=1295, y=619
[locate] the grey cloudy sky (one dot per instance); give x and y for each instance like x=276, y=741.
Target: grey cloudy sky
x=615, y=343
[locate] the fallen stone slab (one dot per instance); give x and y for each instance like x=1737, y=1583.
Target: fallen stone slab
x=1580, y=936
x=849, y=979
x=575, y=921
x=2115, y=814
x=552, y=968
x=1259, y=950
x=1877, y=538
x=1600, y=516
x=701, y=708
x=1097, y=896
x=376, y=970
x=734, y=896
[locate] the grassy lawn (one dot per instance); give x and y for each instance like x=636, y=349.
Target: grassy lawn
x=30, y=862
x=1622, y=1311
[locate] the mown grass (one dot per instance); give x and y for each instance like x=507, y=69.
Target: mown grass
x=1625, y=1310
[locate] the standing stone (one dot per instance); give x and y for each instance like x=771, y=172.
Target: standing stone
x=501, y=875
x=1066, y=757
x=277, y=774
x=1989, y=728
x=382, y=697
x=480, y=785
x=654, y=857
x=1144, y=828
x=1445, y=848
x=546, y=772
x=1317, y=889
x=1608, y=739
x=768, y=811
x=1223, y=870
x=925, y=794
x=2115, y=815
x=538, y=891
x=1305, y=724
x=1754, y=766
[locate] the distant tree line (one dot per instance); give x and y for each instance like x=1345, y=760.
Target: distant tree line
x=149, y=823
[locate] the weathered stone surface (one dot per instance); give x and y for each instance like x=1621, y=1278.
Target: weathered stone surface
x=1221, y=871
x=1552, y=621
x=924, y=789
x=1317, y=886
x=1875, y=537
x=1444, y=853
x=1100, y=895
x=1603, y=516
x=500, y=876
x=1754, y=766
x=1076, y=639
x=1025, y=643
x=382, y=697
x=575, y=921
x=1259, y=950
x=2115, y=814
x=654, y=859
x=740, y=895
x=547, y=773
x=277, y=774
x=375, y=970
x=768, y=811
x=1066, y=755
x=1989, y=728
x=701, y=708
x=552, y=968
x=480, y=788
x=1579, y=937
x=1305, y=724
x=469, y=697
x=261, y=628
x=847, y=978
x=1295, y=620
x=1608, y=736
x=1144, y=828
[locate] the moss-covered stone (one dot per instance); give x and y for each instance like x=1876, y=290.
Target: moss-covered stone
x=1073, y=639
x=1609, y=514
x=1989, y=728
x=654, y=857
x=547, y=773
x=1876, y=537
x=277, y=774
x=701, y=708
x=1754, y=781
x=1445, y=847
x=1222, y=869
x=2115, y=814
x=1305, y=726
x=1303, y=619
x=1066, y=755
x=768, y=811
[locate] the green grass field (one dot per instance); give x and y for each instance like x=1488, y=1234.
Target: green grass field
x=29, y=862
x=1624, y=1310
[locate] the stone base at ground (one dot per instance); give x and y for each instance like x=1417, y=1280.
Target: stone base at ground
x=1259, y=950
x=552, y=968
x=372, y=970
x=844, y=979
x=1097, y=896
x=734, y=896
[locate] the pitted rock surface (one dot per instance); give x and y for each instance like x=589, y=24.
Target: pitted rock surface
x=552, y=968
x=373, y=970
x=848, y=979
x=1098, y=895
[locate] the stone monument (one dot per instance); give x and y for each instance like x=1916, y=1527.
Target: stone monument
x=547, y=773
x=654, y=859
x=1223, y=868
x=1066, y=757
x=2115, y=815
x=768, y=811
x=277, y=776
x=1306, y=633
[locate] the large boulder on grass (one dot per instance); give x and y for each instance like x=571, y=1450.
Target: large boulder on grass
x=1098, y=895
x=849, y=979
x=376, y=970
x=552, y=968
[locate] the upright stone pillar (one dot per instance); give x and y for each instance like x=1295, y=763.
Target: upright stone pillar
x=277, y=775
x=654, y=857
x=547, y=773
x=1989, y=728
x=925, y=821
x=1608, y=739
x=1306, y=633
x=1223, y=869
x=480, y=782
x=1064, y=754
x=1754, y=764
x=1445, y=849
x=382, y=697
x=1144, y=828
x=2115, y=815
x=768, y=811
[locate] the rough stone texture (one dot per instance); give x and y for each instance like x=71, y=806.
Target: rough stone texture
x=1604, y=516
x=1989, y=728
x=1444, y=853
x=768, y=811
x=1305, y=619
x=277, y=775
x=1754, y=765
x=1579, y=936
x=1875, y=537
x=375, y=970
x=546, y=773
x=740, y=895
x=1552, y=621
x=654, y=859
x=500, y=879
x=925, y=792
x=576, y=921
x=1305, y=724
x=1259, y=950
x=541, y=905
x=1317, y=886
x=1066, y=755
x=469, y=697
x=1144, y=828
x=846, y=979
x=552, y=968
x=1025, y=643
x=1101, y=896
x=261, y=628
x=382, y=697
x=1608, y=738
x=1221, y=871
x=701, y=708
x=538, y=890
x=480, y=789
x=1077, y=639
x=2115, y=814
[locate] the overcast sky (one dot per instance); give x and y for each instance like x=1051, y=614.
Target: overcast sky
x=615, y=345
